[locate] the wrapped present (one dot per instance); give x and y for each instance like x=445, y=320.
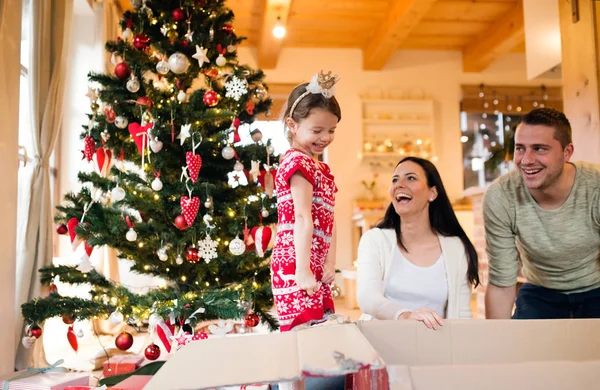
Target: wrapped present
x=368, y=378
x=47, y=378
x=122, y=364
x=134, y=382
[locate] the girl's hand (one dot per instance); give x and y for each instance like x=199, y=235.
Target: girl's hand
x=328, y=273
x=430, y=318
x=306, y=281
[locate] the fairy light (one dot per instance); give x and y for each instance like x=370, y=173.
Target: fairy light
x=218, y=239
x=147, y=267
x=207, y=284
x=141, y=245
x=196, y=282
x=113, y=300
x=156, y=197
x=226, y=243
x=154, y=21
x=254, y=284
x=216, y=279
x=134, y=192
x=85, y=276
x=167, y=269
x=231, y=213
x=183, y=278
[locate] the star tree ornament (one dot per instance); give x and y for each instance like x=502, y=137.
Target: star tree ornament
x=184, y=133
x=201, y=55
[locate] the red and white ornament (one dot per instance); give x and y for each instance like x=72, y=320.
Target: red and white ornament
x=189, y=208
x=131, y=234
x=200, y=336
x=103, y=160
x=211, y=98
x=89, y=148
x=194, y=163
x=192, y=255
x=152, y=352
x=262, y=237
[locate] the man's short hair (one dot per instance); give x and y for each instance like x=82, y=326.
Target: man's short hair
x=551, y=118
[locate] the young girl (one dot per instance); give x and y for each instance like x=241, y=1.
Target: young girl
x=303, y=262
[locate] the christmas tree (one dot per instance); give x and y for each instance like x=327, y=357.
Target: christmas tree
x=162, y=137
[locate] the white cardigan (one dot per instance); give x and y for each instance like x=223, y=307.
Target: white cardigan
x=375, y=255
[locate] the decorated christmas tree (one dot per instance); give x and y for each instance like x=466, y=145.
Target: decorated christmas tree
x=163, y=139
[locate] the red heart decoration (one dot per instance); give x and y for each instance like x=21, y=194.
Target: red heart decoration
x=189, y=208
x=71, y=225
x=262, y=237
x=266, y=182
x=88, y=248
x=194, y=163
x=139, y=134
x=103, y=158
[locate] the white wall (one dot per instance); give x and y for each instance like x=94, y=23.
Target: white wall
x=437, y=73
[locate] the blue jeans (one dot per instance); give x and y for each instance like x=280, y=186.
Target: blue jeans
x=535, y=303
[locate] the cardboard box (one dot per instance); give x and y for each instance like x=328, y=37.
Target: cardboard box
x=122, y=364
x=463, y=354
x=134, y=382
x=51, y=380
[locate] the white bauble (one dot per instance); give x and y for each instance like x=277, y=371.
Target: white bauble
x=264, y=212
x=237, y=246
x=157, y=185
x=221, y=61
x=117, y=194
x=121, y=122
x=182, y=96
x=127, y=33
x=179, y=63
x=238, y=166
x=179, y=260
x=228, y=153
x=80, y=333
x=131, y=235
x=162, y=254
x=116, y=317
x=133, y=85
x=163, y=67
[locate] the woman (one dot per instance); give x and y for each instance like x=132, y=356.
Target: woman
x=418, y=263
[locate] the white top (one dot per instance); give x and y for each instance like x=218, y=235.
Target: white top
x=413, y=287
x=375, y=256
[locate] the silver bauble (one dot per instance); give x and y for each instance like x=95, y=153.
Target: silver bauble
x=117, y=194
x=179, y=63
x=121, y=122
x=228, y=153
x=237, y=246
x=182, y=96
x=116, y=317
x=133, y=85
x=163, y=67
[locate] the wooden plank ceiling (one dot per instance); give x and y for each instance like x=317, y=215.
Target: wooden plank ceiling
x=484, y=30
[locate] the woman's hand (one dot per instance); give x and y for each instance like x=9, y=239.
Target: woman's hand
x=328, y=273
x=430, y=318
x=306, y=281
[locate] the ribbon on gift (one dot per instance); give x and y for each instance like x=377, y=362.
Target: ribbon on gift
x=34, y=371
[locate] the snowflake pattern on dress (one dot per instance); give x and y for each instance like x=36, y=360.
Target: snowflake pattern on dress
x=207, y=249
x=235, y=88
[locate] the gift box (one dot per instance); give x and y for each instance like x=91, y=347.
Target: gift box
x=122, y=364
x=134, y=382
x=48, y=378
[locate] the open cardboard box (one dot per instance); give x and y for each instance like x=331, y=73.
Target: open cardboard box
x=463, y=354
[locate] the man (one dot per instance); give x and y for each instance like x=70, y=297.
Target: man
x=546, y=215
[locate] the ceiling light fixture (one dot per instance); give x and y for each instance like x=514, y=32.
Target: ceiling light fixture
x=279, y=29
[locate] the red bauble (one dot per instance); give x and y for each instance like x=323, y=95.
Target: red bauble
x=62, y=229
x=152, y=352
x=178, y=15
x=68, y=319
x=229, y=28
x=192, y=255
x=124, y=341
x=145, y=101
x=122, y=71
x=251, y=320
x=141, y=41
x=53, y=288
x=35, y=331
x=211, y=98
x=180, y=222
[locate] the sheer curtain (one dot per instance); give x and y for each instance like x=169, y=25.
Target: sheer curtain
x=50, y=34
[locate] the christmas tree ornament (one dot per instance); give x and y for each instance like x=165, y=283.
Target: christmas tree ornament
x=180, y=222
x=250, y=108
x=181, y=96
x=127, y=33
x=103, y=160
x=140, y=136
x=237, y=246
x=79, y=333
x=131, y=234
x=110, y=115
x=201, y=55
x=229, y=28
x=71, y=226
x=179, y=260
x=124, y=341
x=122, y=71
x=231, y=49
x=53, y=288
x=162, y=254
x=153, y=320
x=89, y=148
x=133, y=85
x=62, y=229
x=184, y=133
x=178, y=15
x=200, y=336
x=238, y=166
x=336, y=291
x=117, y=194
x=72, y=338
x=68, y=319
x=156, y=145
x=235, y=88
x=189, y=208
x=221, y=60
x=91, y=94
x=105, y=135
x=270, y=149
x=179, y=63
x=256, y=135
x=121, y=122
x=192, y=255
x=194, y=163
x=35, y=331
x=261, y=236
x=209, y=202
x=228, y=152
x=116, y=317
x=163, y=67
x=141, y=41
x=156, y=185
x=211, y=98
x=235, y=125
x=207, y=249
x=251, y=320
x=264, y=212
x=145, y=101
x=152, y=352
x=207, y=219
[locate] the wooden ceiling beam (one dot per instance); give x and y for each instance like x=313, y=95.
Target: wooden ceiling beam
x=500, y=39
x=400, y=20
x=269, y=47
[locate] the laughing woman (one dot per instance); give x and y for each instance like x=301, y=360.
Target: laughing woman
x=418, y=263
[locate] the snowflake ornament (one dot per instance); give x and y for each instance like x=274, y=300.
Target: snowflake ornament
x=207, y=249
x=235, y=88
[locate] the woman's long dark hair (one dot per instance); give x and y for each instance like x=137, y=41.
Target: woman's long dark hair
x=441, y=217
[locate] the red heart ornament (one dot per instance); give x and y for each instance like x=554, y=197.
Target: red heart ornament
x=139, y=134
x=189, y=209
x=262, y=237
x=194, y=163
x=266, y=180
x=103, y=159
x=88, y=248
x=71, y=225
